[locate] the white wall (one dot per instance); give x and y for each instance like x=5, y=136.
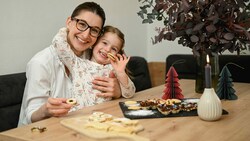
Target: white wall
x=158, y=52
x=28, y=26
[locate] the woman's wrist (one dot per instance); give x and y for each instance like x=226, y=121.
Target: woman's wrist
x=40, y=114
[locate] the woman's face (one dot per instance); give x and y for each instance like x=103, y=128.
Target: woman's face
x=82, y=40
x=108, y=43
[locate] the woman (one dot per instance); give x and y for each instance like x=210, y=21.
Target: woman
x=48, y=80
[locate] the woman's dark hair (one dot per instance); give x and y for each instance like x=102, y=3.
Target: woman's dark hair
x=91, y=7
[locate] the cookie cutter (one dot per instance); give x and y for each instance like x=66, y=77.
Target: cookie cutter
x=38, y=128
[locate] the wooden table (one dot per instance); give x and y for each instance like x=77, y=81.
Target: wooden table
x=232, y=127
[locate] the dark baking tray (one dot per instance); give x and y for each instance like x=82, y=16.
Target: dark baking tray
x=157, y=114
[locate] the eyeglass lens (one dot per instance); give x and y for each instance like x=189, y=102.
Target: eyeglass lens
x=82, y=26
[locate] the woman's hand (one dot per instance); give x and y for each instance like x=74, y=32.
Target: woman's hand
x=55, y=107
x=109, y=86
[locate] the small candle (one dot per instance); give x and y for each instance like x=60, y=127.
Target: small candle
x=208, y=74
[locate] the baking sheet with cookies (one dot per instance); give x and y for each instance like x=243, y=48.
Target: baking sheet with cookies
x=134, y=110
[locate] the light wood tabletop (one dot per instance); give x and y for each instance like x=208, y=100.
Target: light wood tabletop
x=232, y=127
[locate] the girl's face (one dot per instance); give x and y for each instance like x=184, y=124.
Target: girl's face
x=82, y=40
x=108, y=43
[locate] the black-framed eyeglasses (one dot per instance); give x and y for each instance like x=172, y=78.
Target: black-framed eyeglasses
x=83, y=25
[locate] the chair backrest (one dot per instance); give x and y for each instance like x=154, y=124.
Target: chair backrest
x=138, y=67
x=11, y=94
x=187, y=70
x=238, y=74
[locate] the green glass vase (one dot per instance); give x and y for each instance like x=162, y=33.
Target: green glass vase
x=200, y=71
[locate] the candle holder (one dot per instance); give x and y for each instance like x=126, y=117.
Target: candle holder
x=209, y=105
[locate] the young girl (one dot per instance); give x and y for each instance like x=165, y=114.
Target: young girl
x=83, y=70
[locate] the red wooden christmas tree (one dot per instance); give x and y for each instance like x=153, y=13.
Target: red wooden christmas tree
x=172, y=89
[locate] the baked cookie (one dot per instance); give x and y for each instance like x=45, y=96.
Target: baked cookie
x=134, y=107
x=131, y=103
x=111, y=56
x=112, y=124
x=100, y=117
x=71, y=101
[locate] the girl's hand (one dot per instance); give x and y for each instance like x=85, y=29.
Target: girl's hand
x=120, y=63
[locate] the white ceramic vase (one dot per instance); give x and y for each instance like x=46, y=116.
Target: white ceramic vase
x=209, y=105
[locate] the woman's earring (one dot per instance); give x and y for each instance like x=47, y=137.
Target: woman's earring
x=90, y=47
